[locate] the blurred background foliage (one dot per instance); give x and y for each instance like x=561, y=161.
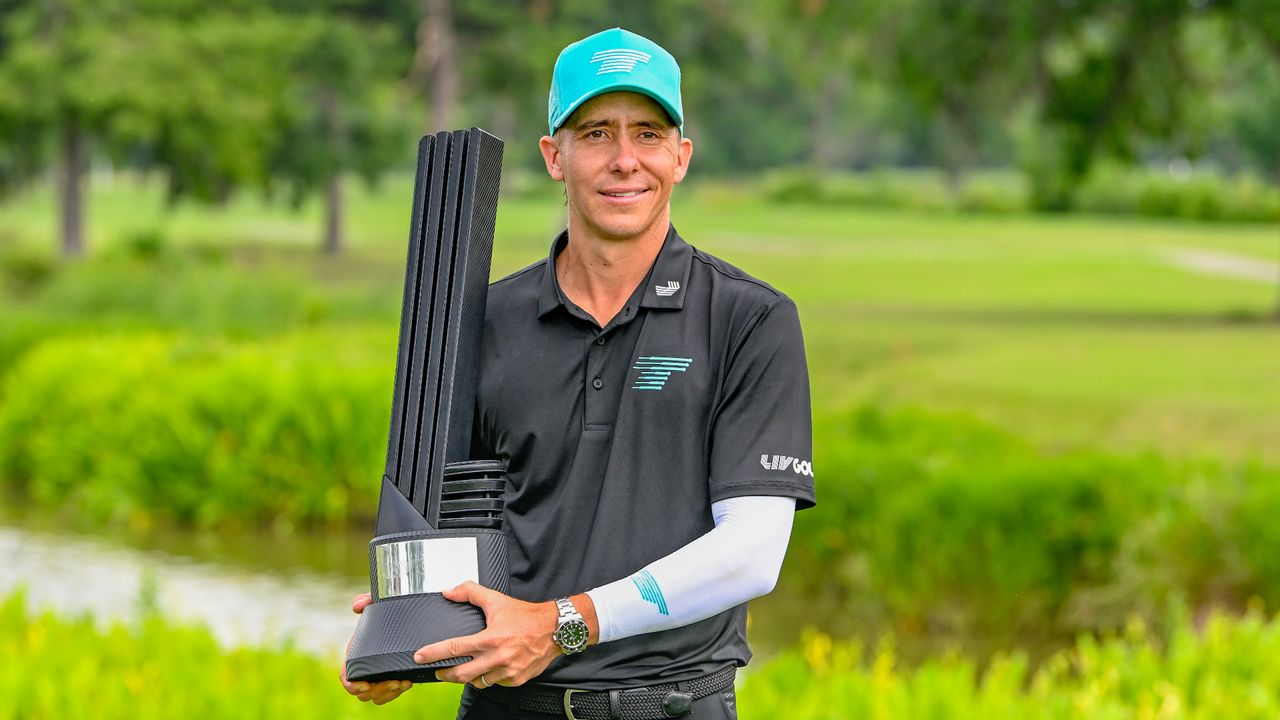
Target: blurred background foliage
x=1033, y=245
x=284, y=97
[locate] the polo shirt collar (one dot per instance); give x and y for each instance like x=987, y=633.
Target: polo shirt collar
x=549, y=296
x=663, y=288
x=667, y=282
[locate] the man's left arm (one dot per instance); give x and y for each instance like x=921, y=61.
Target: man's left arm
x=737, y=560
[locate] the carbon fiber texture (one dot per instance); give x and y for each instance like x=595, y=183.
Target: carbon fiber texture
x=390, y=631
x=465, y=301
x=479, y=191
x=412, y=276
x=433, y=315
x=467, y=505
x=446, y=283
x=481, y=485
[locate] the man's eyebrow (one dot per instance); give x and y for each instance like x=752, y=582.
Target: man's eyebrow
x=605, y=122
x=654, y=124
x=591, y=124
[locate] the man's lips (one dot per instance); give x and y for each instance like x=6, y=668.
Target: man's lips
x=623, y=193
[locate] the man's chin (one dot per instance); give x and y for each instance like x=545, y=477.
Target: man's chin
x=627, y=227
x=623, y=234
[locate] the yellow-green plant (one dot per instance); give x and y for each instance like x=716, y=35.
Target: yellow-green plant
x=1222, y=667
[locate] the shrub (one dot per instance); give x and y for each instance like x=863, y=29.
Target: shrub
x=199, y=431
x=1200, y=195
x=944, y=530
x=24, y=270
x=1110, y=189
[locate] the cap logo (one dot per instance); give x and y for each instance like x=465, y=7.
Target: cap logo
x=619, y=60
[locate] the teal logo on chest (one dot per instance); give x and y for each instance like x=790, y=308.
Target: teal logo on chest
x=655, y=370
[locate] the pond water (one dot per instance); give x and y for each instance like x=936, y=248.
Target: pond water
x=241, y=605
x=248, y=588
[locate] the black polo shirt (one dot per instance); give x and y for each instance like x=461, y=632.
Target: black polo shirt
x=618, y=439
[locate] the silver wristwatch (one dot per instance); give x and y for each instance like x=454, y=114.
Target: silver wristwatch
x=571, y=629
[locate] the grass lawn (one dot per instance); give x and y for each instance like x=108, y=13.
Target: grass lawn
x=1071, y=330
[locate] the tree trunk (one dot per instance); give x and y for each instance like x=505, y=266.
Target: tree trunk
x=955, y=149
x=1276, y=312
x=436, y=62
x=333, y=207
x=70, y=186
x=821, y=138
x=335, y=129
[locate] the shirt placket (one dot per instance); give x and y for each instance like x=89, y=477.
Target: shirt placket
x=595, y=404
x=604, y=377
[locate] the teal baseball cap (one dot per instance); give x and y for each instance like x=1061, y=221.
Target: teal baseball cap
x=609, y=61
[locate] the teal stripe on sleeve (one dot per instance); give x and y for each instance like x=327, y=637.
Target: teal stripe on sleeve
x=649, y=590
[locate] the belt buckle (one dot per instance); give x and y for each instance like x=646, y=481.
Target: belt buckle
x=568, y=704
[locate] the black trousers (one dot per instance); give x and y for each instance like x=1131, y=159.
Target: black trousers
x=475, y=706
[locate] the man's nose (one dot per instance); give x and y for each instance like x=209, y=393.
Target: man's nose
x=624, y=156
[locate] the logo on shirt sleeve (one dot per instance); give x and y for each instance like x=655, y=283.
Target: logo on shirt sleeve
x=649, y=590
x=786, y=462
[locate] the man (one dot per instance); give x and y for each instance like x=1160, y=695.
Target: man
x=652, y=405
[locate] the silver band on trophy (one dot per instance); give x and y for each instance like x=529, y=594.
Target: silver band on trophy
x=424, y=565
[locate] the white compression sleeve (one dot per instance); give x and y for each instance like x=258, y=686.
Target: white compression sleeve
x=737, y=560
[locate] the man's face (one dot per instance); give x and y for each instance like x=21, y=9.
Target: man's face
x=619, y=157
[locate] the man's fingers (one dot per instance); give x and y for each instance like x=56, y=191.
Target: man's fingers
x=451, y=648
x=469, y=672
x=355, y=688
x=383, y=692
x=470, y=592
x=360, y=602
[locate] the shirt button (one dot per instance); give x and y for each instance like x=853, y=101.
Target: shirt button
x=597, y=383
x=600, y=340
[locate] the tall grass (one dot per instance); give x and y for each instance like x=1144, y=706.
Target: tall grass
x=72, y=669
x=1225, y=668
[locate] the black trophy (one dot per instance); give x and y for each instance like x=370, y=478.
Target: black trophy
x=440, y=512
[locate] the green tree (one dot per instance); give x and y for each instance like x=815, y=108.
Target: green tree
x=140, y=82
x=47, y=51
x=1109, y=73
x=340, y=112
x=956, y=61
x=1259, y=120
x=247, y=93
x=818, y=46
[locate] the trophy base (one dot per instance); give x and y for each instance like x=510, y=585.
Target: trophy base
x=390, y=631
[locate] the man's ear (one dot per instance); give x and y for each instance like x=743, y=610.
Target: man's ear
x=550, y=149
x=683, y=154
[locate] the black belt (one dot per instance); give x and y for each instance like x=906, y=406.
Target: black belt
x=644, y=703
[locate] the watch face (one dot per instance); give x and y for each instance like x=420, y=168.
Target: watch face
x=571, y=636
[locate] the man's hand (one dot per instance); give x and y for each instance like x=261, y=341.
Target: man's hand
x=515, y=647
x=380, y=693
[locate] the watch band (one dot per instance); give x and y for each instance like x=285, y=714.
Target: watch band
x=571, y=629
x=567, y=610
